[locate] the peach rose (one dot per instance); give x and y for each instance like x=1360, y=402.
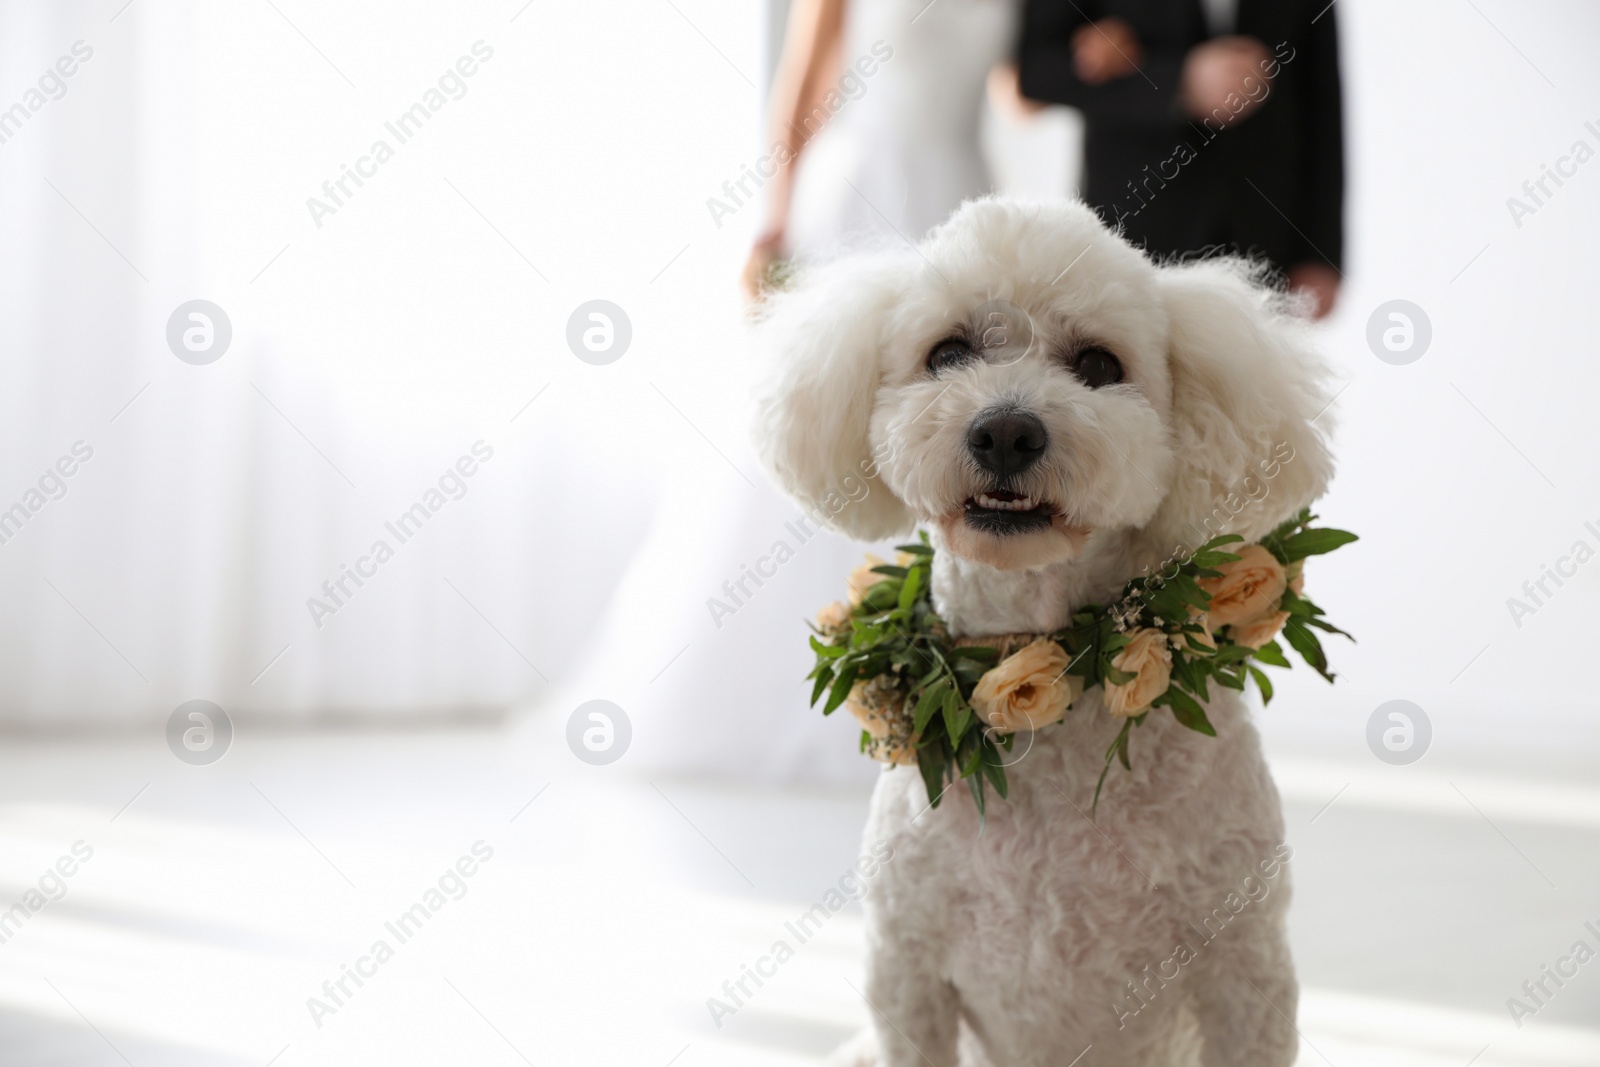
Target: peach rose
x=835, y=618
x=1255, y=634
x=863, y=578
x=1150, y=660
x=1028, y=689
x=1248, y=588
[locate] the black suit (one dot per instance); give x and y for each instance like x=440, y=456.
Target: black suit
x=1270, y=184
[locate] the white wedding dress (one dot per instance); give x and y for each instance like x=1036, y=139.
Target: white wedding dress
x=893, y=162
x=898, y=158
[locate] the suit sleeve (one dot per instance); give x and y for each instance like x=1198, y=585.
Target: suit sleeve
x=1322, y=162
x=1141, y=101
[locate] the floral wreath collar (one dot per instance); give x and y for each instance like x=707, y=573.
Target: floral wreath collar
x=949, y=706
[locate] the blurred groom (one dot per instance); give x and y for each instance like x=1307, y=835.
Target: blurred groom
x=1209, y=123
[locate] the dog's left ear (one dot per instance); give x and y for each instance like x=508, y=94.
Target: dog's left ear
x=822, y=340
x=1248, y=402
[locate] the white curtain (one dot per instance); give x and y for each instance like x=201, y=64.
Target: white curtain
x=368, y=354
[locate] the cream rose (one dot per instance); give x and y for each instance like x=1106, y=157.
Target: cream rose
x=834, y=618
x=1028, y=689
x=1150, y=660
x=1248, y=588
x=863, y=578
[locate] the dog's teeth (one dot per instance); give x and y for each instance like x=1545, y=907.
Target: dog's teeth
x=1026, y=503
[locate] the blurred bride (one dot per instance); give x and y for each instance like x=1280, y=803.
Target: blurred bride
x=906, y=79
x=877, y=105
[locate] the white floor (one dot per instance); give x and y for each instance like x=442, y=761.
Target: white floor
x=219, y=899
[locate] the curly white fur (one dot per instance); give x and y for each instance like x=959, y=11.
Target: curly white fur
x=1152, y=933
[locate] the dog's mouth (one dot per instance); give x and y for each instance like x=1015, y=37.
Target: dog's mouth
x=1001, y=511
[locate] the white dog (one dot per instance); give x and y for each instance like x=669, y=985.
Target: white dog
x=1062, y=415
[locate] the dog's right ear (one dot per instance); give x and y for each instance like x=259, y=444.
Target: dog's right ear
x=821, y=341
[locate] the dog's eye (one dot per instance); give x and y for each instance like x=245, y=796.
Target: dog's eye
x=951, y=352
x=1096, y=367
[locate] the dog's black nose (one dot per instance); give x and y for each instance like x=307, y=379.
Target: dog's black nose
x=1006, y=442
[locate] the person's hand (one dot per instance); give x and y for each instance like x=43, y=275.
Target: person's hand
x=1105, y=50
x=767, y=250
x=1318, y=281
x=1005, y=93
x=1224, y=68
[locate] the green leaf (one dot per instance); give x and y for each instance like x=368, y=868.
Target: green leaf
x=824, y=676
x=890, y=569
x=1295, y=604
x=883, y=595
x=1289, y=526
x=1232, y=677
x=1227, y=654
x=910, y=588
x=1262, y=683
x=925, y=551
x=968, y=675
x=929, y=703
x=1191, y=675
x=930, y=761
x=974, y=758
x=1328, y=627
x=841, y=688
x=1315, y=543
x=977, y=652
x=1272, y=653
x=957, y=716
x=1122, y=747
x=866, y=739
x=975, y=783
x=1119, y=745
x=1206, y=559
x=1118, y=677
x=994, y=769
x=1303, y=641
x=827, y=651
x=1189, y=712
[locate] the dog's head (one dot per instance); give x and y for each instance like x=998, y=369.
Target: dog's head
x=1025, y=382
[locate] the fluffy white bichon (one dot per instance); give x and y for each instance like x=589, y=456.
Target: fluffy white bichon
x=1062, y=414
